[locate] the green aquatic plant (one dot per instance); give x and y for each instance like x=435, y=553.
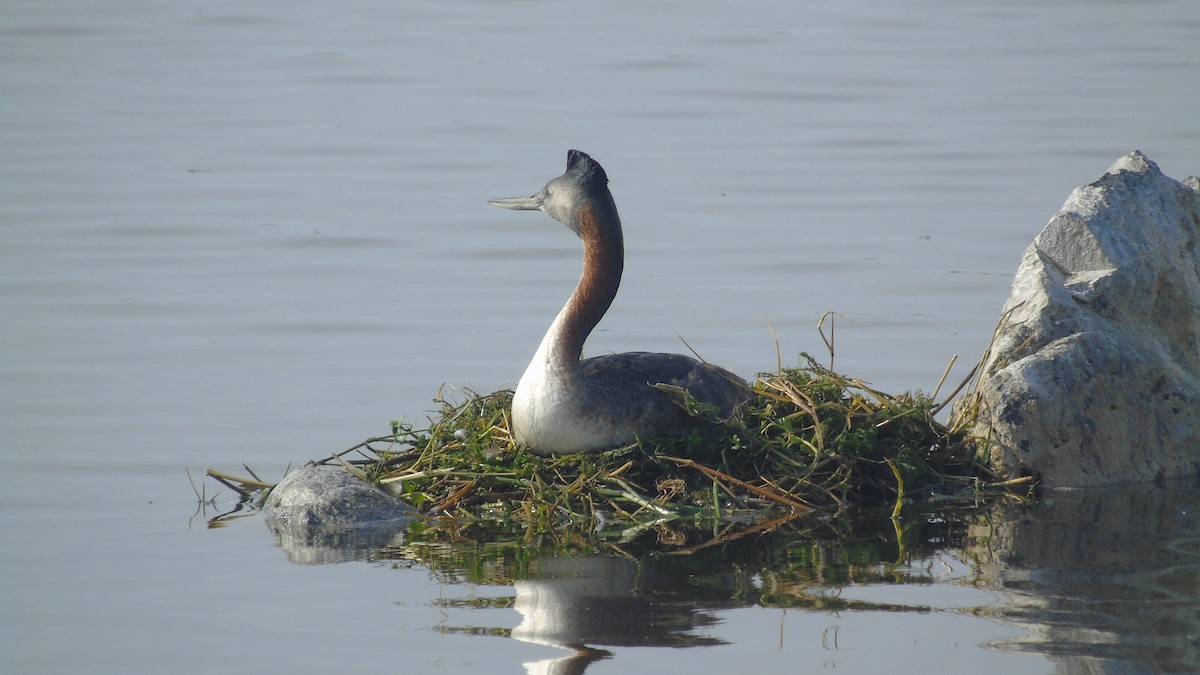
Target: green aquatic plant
x=808, y=438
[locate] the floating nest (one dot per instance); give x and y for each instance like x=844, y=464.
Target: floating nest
x=809, y=439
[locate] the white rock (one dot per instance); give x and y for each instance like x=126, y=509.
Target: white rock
x=1094, y=376
x=323, y=514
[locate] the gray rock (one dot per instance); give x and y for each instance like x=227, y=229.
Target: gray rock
x=1094, y=375
x=323, y=514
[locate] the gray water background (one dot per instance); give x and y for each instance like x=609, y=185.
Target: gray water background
x=254, y=233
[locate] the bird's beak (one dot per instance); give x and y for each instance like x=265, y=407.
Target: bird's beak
x=530, y=203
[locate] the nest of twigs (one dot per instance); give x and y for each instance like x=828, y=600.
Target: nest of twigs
x=810, y=438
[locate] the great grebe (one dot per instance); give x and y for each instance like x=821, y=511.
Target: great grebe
x=564, y=405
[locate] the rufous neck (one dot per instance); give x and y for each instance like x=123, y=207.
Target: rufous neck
x=603, y=263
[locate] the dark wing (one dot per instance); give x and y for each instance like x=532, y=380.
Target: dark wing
x=636, y=371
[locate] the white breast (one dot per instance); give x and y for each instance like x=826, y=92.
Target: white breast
x=551, y=416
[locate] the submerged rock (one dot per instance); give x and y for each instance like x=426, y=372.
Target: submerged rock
x=323, y=514
x=1094, y=375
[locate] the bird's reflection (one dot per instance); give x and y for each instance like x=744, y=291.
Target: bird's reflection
x=584, y=603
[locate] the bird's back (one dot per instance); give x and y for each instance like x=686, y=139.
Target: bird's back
x=622, y=392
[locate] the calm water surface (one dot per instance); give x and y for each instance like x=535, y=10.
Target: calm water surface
x=257, y=232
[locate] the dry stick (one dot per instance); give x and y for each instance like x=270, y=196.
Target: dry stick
x=357, y=473
x=392, y=438
x=620, y=470
x=1012, y=481
x=987, y=353
x=450, y=501
x=829, y=342
x=251, y=472
x=229, y=481
x=779, y=488
x=882, y=397
x=945, y=374
x=189, y=475
x=967, y=380
x=778, y=354
x=713, y=473
x=786, y=392
x=413, y=476
x=629, y=493
x=731, y=536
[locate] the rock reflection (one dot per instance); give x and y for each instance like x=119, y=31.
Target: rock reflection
x=315, y=546
x=1106, y=581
